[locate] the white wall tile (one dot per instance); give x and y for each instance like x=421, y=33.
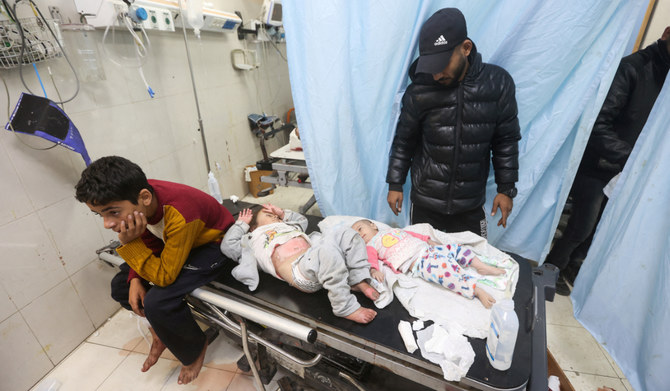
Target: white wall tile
x=153, y=124
x=71, y=225
x=92, y=284
x=13, y=197
x=30, y=264
x=112, y=131
x=183, y=118
x=167, y=67
x=185, y=165
x=85, y=369
x=47, y=176
x=21, y=355
x=7, y=307
x=58, y=320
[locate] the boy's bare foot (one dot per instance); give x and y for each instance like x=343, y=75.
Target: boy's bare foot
x=190, y=372
x=157, y=347
x=369, y=292
x=483, y=296
x=486, y=269
x=362, y=315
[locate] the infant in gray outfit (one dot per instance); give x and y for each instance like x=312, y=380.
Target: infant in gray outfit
x=274, y=240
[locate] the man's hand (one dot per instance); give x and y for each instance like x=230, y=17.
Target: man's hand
x=245, y=216
x=395, y=201
x=136, y=294
x=505, y=204
x=133, y=227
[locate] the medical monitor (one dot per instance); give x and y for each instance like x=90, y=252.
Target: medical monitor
x=272, y=12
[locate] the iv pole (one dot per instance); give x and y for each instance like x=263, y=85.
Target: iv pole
x=195, y=91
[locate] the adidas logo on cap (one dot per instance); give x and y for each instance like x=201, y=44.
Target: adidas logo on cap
x=440, y=41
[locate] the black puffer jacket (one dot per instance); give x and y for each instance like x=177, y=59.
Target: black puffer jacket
x=636, y=84
x=447, y=136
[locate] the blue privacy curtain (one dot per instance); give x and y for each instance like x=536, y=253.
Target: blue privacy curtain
x=348, y=63
x=622, y=290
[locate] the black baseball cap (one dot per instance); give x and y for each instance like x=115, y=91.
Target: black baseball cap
x=439, y=36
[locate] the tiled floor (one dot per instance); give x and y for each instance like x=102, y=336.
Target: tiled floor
x=111, y=358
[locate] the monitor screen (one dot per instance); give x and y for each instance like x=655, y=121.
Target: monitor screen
x=276, y=13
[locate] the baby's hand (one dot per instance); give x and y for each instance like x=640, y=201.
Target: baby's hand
x=275, y=210
x=377, y=274
x=245, y=216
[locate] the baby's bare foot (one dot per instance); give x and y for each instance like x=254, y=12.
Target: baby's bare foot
x=157, y=348
x=369, y=292
x=362, y=315
x=190, y=372
x=485, y=269
x=483, y=296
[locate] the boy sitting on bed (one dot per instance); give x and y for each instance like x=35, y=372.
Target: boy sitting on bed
x=419, y=256
x=274, y=240
x=169, y=236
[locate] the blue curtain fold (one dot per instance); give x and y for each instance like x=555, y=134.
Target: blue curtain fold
x=621, y=292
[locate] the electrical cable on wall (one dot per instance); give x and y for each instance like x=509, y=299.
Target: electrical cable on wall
x=23, y=44
x=142, y=47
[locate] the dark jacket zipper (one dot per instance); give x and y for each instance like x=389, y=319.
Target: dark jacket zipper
x=457, y=139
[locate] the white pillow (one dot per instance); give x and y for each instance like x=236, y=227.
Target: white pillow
x=331, y=223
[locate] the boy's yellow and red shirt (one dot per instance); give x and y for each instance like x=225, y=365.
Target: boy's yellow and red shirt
x=186, y=218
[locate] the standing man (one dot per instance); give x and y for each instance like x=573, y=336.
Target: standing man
x=457, y=115
x=636, y=84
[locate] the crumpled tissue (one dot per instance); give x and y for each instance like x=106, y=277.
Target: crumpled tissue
x=447, y=348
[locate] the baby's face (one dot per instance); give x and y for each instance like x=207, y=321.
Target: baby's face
x=366, y=229
x=266, y=217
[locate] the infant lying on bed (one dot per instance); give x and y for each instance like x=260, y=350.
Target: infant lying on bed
x=274, y=240
x=419, y=256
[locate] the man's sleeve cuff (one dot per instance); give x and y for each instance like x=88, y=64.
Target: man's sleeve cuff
x=503, y=187
x=395, y=187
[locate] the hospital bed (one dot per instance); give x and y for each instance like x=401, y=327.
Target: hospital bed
x=288, y=169
x=277, y=325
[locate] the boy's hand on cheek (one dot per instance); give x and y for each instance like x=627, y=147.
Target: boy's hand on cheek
x=133, y=227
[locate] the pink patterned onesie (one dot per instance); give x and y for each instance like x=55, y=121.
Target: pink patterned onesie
x=409, y=253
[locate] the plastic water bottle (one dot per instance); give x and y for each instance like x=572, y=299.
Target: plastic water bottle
x=502, y=335
x=214, y=190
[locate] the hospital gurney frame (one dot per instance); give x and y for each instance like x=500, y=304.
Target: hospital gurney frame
x=307, y=320
x=284, y=162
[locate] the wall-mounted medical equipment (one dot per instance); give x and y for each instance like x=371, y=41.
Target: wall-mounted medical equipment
x=83, y=51
x=41, y=117
x=31, y=43
x=162, y=15
x=244, y=60
x=272, y=12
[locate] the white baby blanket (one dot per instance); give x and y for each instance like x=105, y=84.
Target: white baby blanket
x=429, y=301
